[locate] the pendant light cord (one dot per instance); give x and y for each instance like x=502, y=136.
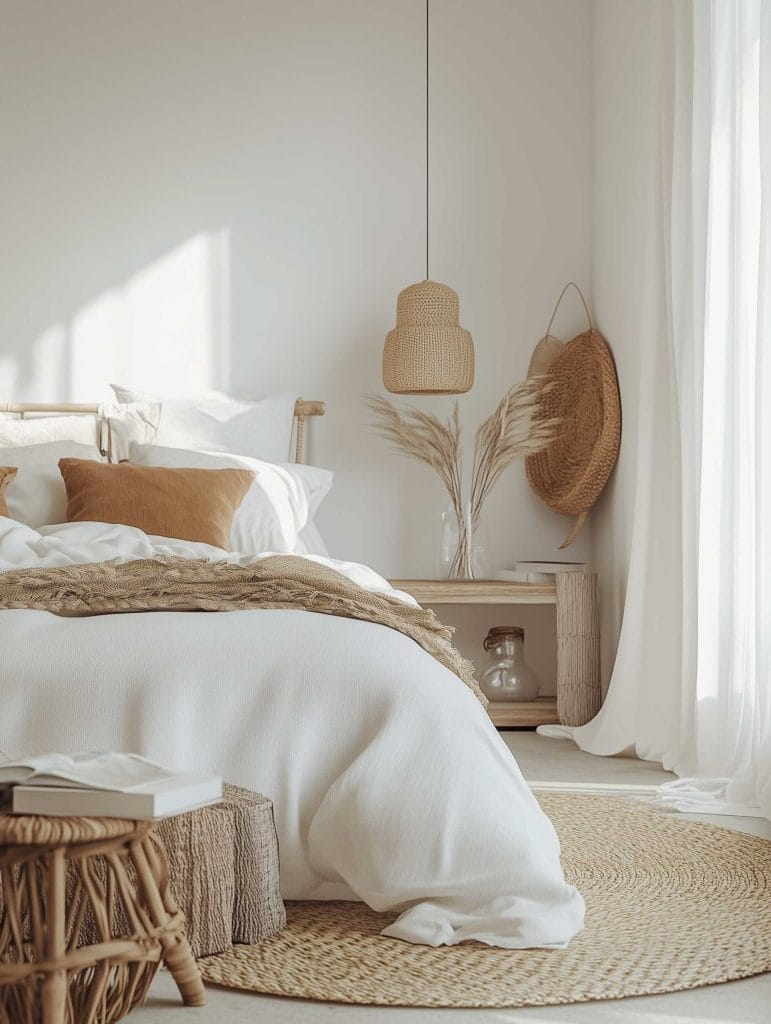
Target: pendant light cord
x=427, y=149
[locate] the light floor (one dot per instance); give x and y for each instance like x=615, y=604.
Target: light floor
x=740, y=1002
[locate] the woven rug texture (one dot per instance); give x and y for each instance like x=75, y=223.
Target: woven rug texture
x=671, y=904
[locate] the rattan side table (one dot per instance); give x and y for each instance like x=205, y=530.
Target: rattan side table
x=86, y=918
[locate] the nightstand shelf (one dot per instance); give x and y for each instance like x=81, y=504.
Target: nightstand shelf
x=523, y=714
x=578, y=640
x=477, y=591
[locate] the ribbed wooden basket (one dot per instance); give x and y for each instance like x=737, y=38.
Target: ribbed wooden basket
x=223, y=865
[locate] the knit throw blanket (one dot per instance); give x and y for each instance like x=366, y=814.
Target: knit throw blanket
x=180, y=584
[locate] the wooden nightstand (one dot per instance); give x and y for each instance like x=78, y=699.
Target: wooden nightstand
x=578, y=640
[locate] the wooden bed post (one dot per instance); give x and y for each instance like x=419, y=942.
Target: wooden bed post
x=301, y=410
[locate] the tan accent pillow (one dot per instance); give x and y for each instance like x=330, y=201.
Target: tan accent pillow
x=191, y=504
x=7, y=473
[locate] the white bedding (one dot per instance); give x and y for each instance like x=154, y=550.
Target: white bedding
x=389, y=782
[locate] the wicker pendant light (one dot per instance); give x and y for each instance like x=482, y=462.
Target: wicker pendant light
x=428, y=352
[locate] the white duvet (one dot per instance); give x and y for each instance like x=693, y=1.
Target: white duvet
x=389, y=782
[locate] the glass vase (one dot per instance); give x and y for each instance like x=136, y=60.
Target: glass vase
x=464, y=548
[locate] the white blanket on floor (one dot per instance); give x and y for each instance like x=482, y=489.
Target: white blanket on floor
x=389, y=782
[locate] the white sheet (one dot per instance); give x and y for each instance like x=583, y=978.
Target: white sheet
x=389, y=782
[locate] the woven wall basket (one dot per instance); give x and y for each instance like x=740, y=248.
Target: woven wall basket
x=582, y=392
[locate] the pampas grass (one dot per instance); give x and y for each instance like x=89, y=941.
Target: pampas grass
x=424, y=438
x=513, y=431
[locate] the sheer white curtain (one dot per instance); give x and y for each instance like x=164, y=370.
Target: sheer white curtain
x=692, y=681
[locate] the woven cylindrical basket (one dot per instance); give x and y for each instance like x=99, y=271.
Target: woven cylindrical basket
x=582, y=393
x=428, y=352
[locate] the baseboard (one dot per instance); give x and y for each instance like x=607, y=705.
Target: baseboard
x=628, y=789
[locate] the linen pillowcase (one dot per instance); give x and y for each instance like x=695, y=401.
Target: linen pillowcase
x=310, y=542
x=117, y=424
x=189, y=504
x=15, y=433
x=7, y=473
x=317, y=483
x=135, y=421
x=277, y=508
x=217, y=422
x=37, y=497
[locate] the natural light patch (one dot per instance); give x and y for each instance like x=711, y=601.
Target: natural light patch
x=9, y=375
x=166, y=329
x=95, y=341
x=49, y=364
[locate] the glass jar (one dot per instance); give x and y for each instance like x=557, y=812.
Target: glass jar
x=507, y=676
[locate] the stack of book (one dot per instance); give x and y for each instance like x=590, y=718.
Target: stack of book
x=103, y=785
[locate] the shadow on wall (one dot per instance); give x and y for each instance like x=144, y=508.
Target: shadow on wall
x=166, y=329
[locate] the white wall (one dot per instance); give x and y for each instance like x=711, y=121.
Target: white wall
x=231, y=193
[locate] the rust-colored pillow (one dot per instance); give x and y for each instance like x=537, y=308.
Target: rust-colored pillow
x=7, y=473
x=191, y=504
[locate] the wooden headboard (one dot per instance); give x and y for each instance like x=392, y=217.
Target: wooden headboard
x=302, y=410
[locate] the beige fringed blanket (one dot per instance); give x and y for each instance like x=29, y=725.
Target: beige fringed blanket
x=179, y=584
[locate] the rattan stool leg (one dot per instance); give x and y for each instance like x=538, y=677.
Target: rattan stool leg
x=176, y=950
x=54, y=987
x=184, y=970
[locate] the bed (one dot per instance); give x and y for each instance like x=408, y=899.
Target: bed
x=389, y=782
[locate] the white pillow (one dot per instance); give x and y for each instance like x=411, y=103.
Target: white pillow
x=36, y=496
x=132, y=422
x=310, y=542
x=275, y=510
x=318, y=483
x=217, y=422
x=15, y=432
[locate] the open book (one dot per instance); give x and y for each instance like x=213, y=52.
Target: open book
x=104, y=784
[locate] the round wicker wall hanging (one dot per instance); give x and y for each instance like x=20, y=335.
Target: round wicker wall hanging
x=582, y=392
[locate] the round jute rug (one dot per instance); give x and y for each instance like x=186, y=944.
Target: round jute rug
x=671, y=904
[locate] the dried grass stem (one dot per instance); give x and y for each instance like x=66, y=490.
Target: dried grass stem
x=513, y=431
